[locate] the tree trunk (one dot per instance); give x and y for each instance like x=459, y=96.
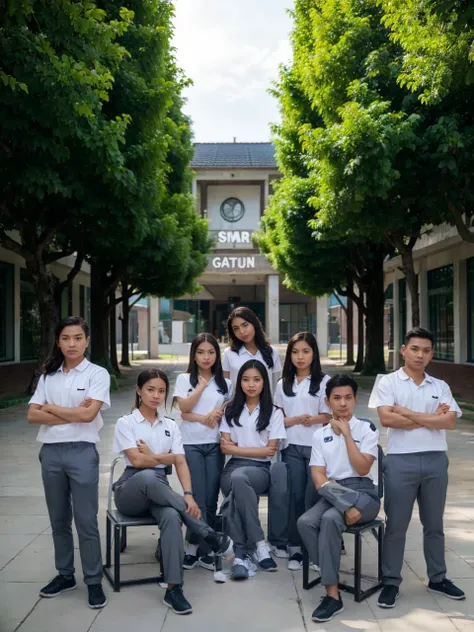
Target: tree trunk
x=113, y=338
x=99, y=317
x=44, y=283
x=350, y=329
x=374, y=361
x=360, y=336
x=125, y=361
x=408, y=266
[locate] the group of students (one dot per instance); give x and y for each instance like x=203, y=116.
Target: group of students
x=237, y=416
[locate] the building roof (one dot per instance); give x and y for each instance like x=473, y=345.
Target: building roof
x=234, y=155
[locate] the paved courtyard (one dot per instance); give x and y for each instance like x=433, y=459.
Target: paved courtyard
x=270, y=601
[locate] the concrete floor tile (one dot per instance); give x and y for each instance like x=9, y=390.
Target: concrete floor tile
x=16, y=601
x=18, y=524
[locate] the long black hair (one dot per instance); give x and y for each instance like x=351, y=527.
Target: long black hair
x=234, y=410
x=261, y=339
x=56, y=356
x=216, y=368
x=289, y=369
x=147, y=375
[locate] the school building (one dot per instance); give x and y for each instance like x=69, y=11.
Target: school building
x=231, y=184
x=444, y=264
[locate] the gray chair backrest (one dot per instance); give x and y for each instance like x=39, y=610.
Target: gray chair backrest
x=380, y=459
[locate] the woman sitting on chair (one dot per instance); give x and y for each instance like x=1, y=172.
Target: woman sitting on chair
x=250, y=429
x=150, y=442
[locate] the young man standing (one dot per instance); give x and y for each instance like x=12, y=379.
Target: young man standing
x=342, y=455
x=417, y=409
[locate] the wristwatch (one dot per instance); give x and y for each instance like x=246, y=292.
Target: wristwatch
x=188, y=492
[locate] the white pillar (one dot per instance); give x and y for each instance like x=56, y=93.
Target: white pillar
x=322, y=325
x=153, y=326
x=396, y=321
x=272, y=308
x=460, y=311
x=423, y=295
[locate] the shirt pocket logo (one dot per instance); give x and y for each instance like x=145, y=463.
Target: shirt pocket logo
x=328, y=439
x=167, y=433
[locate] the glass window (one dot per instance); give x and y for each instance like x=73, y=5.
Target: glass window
x=65, y=305
x=195, y=315
x=470, y=309
x=441, y=311
x=7, y=351
x=29, y=319
x=294, y=318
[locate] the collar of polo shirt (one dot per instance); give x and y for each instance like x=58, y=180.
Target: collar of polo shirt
x=243, y=350
x=307, y=377
x=403, y=376
x=80, y=367
x=140, y=418
x=257, y=407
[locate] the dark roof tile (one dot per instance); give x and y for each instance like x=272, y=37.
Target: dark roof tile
x=234, y=155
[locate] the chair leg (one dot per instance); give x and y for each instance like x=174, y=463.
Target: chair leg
x=380, y=550
x=123, y=543
x=357, y=567
x=117, y=538
x=305, y=568
x=108, y=543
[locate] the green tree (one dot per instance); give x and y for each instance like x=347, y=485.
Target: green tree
x=436, y=37
x=56, y=67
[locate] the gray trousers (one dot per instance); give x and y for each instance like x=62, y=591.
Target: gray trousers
x=247, y=480
x=205, y=462
x=70, y=474
x=303, y=493
x=322, y=526
x=140, y=492
x=422, y=476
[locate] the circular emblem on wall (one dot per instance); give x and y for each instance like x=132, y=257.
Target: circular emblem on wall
x=232, y=209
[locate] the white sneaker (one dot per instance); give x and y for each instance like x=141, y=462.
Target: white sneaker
x=264, y=559
x=281, y=553
x=295, y=563
x=315, y=567
x=241, y=569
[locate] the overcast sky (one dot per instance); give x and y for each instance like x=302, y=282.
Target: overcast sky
x=231, y=50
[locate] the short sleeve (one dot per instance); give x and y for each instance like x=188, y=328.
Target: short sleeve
x=447, y=398
x=182, y=385
x=368, y=444
x=124, y=439
x=278, y=399
x=277, y=425
x=317, y=458
x=276, y=361
x=39, y=396
x=224, y=426
x=177, y=441
x=99, y=387
x=230, y=391
x=385, y=394
x=226, y=360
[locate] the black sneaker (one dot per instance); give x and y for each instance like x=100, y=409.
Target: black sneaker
x=343, y=548
x=446, y=588
x=387, y=596
x=264, y=560
x=175, y=600
x=97, y=598
x=58, y=585
x=190, y=561
x=328, y=608
x=295, y=563
x=220, y=543
x=207, y=562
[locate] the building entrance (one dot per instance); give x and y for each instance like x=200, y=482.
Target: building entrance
x=222, y=311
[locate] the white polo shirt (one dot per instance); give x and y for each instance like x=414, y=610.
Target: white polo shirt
x=232, y=361
x=162, y=437
x=330, y=450
x=212, y=397
x=246, y=435
x=69, y=390
x=302, y=404
x=398, y=389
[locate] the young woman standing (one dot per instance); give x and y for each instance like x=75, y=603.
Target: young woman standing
x=149, y=442
x=251, y=429
x=202, y=393
x=248, y=341
x=67, y=403
x=301, y=395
